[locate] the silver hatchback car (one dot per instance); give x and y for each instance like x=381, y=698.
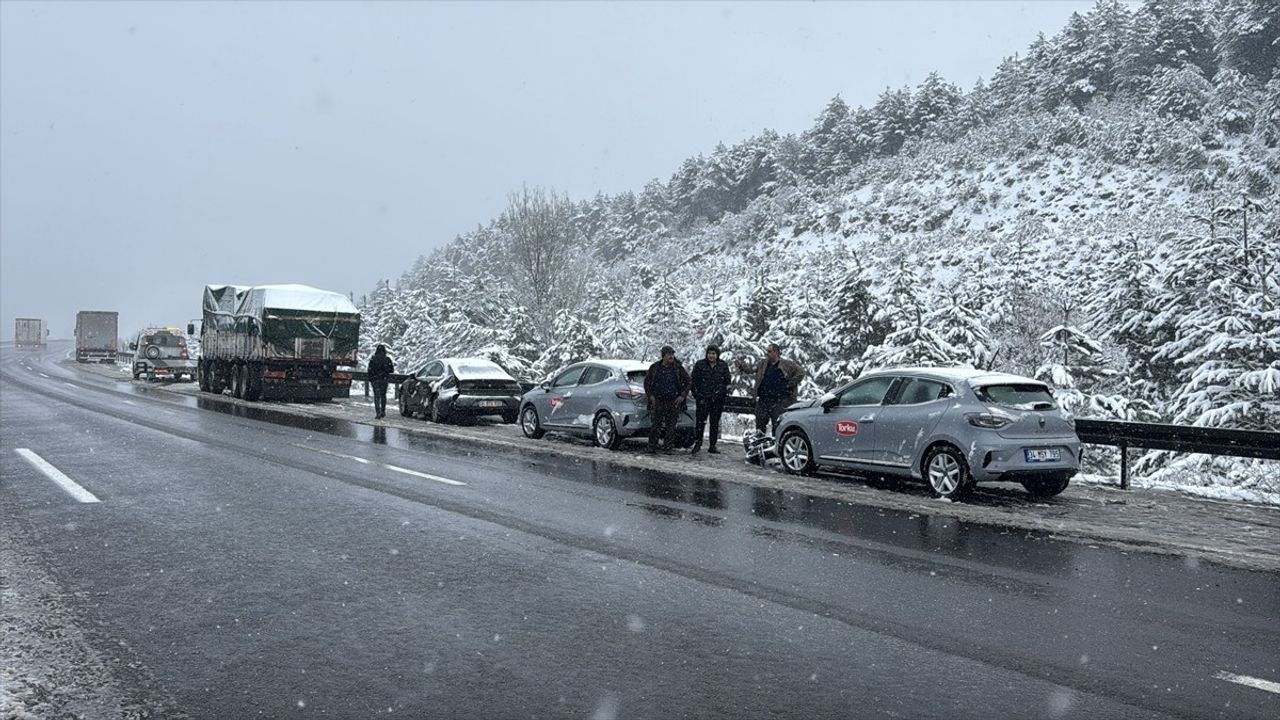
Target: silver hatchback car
x=950, y=426
x=602, y=399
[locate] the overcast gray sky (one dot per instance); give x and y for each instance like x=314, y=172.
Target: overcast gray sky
x=147, y=149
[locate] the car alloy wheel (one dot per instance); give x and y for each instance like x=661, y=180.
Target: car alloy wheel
x=606, y=431
x=529, y=423
x=947, y=473
x=797, y=455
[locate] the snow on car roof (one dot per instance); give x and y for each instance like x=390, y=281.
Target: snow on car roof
x=623, y=365
x=958, y=374
x=476, y=369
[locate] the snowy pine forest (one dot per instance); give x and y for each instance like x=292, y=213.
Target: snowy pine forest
x=1101, y=213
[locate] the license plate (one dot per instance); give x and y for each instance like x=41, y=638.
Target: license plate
x=491, y=403
x=1044, y=455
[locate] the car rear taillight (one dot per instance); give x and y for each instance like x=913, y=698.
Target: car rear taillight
x=184, y=355
x=630, y=394
x=274, y=374
x=342, y=376
x=987, y=420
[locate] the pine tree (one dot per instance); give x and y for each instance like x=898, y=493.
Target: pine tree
x=1074, y=365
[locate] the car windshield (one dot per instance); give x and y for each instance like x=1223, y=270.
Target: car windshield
x=1020, y=396
x=165, y=340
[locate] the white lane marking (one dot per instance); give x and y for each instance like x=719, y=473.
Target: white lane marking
x=43, y=375
x=427, y=476
x=128, y=402
x=1253, y=682
x=69, y=384
x=56, y=475
x=395, y=468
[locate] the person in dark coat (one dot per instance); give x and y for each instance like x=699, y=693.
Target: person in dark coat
x=666, y=385
x=777, y=381
x=710, y=386
x=380, y=370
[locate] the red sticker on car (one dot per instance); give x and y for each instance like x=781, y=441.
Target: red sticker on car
x=847, y=428
x=556, y=402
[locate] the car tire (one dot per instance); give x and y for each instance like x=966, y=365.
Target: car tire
x=403, y=402
x=1045, y=487
x=530, y=425
x=683, y=439
x=237, y=382
x=152, y=352
x=604, y=431
x=796, y=453
x=438, y=415
x=947, y=473
x=510, y=418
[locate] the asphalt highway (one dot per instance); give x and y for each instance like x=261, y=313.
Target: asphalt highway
x=249, y=563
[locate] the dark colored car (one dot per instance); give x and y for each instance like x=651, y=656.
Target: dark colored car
x=450, y=388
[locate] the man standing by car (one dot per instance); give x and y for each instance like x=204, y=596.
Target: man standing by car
x=380, y=369
x=666, y=385
x=710, y=386
x=777, y=382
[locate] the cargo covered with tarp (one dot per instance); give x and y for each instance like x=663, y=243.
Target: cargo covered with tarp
x=281, y=322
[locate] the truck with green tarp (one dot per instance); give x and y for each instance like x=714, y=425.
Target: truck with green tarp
x=284, y=342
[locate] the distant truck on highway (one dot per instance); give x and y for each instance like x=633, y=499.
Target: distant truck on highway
x=289, y=342
x=97, y=336
x=30, y=333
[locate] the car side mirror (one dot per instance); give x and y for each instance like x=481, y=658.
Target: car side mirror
x=829, y=401
x=133, y=346
x=546, y=386
x=191, y=328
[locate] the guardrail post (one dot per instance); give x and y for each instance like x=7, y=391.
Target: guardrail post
x=1124, y=466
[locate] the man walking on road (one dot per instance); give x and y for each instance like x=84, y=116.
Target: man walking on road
x=380, y=369
x=777, y=381
x=666, y=385
x=710, y=384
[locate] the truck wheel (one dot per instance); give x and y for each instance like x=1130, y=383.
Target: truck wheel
x=252, y=383
x=237, y=382
x=202, y=377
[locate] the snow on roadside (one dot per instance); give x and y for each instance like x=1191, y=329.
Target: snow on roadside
x=48, y=667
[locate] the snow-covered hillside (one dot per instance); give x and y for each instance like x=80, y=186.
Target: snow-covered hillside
x=1102, y=214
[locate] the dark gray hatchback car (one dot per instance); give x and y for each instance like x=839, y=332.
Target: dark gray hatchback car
x=451, y=388
x=951, y=427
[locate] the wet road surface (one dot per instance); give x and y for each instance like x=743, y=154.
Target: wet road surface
x=257, y=563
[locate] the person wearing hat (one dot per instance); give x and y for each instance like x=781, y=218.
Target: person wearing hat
x=710, y=386
x=666, y=385
x=380, y=369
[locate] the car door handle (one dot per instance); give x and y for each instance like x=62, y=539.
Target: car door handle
x=867, y=420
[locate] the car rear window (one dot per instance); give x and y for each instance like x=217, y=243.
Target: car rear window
x=636, y=377
x=1025, y=396
x=164, y=340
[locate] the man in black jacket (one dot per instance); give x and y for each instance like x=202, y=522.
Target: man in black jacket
x=710, y=387
x=666, y=385
x=380, y=369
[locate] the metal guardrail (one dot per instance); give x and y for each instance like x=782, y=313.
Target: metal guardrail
x=1177, y=438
